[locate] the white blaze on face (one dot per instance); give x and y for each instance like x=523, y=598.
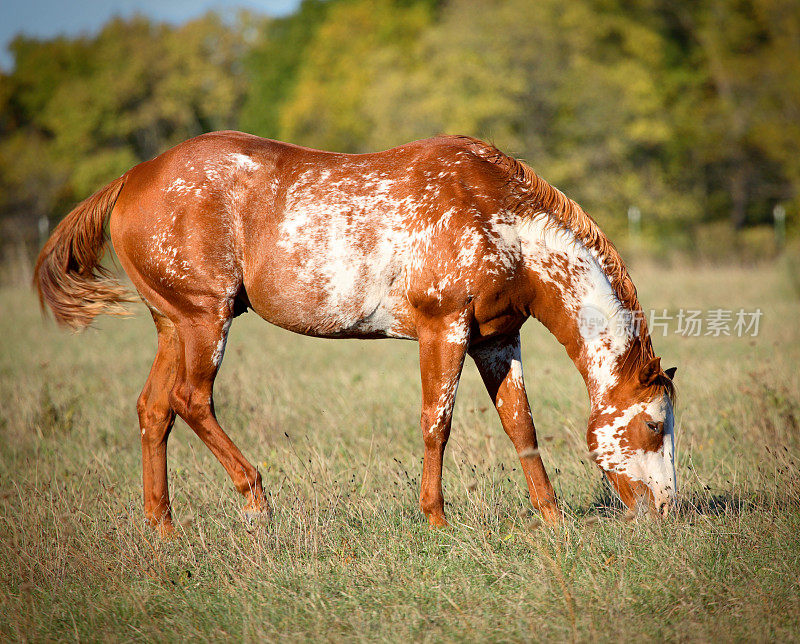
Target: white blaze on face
x=668, y=462
x=654, y=468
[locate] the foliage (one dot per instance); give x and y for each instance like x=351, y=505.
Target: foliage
x=272, y=65
x=78, y=113
x=327, y=108
x=688, y=111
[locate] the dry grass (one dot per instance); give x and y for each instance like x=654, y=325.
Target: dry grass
x=333, y=427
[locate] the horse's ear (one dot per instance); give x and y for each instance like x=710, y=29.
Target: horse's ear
x=650, y=372
x=671, y=372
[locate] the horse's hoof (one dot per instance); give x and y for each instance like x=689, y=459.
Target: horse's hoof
x=164, y=529
x=552, y=515
x=167, y=532
x=436, y=523
x=256, y=513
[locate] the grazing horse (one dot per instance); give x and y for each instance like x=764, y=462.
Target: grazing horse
x=446, y=241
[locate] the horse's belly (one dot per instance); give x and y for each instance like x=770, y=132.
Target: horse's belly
x=332, y=264
x=297, y=312
x=352, y=299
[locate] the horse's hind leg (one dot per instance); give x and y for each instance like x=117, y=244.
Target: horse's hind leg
x=156, y=418
x=203, y=338
x=500, y=366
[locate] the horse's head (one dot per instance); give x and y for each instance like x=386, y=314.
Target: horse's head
x=631, y=438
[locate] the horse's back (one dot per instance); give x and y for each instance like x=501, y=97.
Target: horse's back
x=356, y=245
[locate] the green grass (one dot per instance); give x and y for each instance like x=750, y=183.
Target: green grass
x=333, y=427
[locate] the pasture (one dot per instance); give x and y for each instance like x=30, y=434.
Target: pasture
x=333, y=427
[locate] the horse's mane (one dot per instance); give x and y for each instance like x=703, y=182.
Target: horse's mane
x=528, y=195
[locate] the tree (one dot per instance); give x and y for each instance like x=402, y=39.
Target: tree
x=328, y=107
x=79, y=113
x=741, y=107
x=272, y=64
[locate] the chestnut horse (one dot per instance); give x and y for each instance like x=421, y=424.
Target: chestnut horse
x=446, y=241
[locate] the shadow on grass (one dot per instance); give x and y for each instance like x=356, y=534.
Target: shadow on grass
x=723, y=503
x=606, y=505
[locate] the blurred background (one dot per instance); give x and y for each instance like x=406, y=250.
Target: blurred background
x=676, y=124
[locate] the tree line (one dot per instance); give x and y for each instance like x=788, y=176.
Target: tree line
x=689, y=112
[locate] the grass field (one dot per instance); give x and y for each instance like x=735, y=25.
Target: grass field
x=333, y=427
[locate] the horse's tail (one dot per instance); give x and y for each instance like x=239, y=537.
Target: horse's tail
x=68, y=274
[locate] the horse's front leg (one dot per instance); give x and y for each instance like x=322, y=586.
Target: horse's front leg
x=500, y=366
x=442, y=347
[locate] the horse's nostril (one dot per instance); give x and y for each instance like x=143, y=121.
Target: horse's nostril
x=663, y=508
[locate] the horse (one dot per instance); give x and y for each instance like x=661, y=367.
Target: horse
x=446, y=241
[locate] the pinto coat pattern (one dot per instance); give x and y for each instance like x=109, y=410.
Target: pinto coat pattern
x=446, y=241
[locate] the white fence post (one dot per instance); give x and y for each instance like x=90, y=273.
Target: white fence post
x=634, y=222
x=779, y=215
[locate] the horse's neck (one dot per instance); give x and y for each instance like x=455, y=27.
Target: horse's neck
x=574, y=299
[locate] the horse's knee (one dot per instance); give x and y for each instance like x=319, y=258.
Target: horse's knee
x=431, y=419
x=435, y=429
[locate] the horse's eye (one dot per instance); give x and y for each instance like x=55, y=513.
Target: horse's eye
x=655, y=427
